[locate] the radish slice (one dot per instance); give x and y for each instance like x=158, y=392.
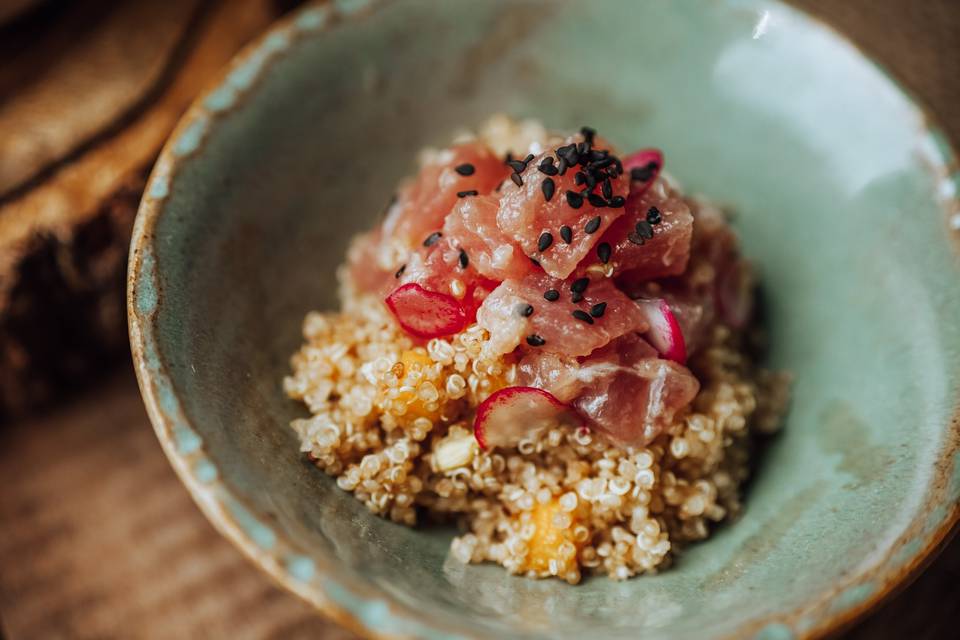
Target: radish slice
x=735, y=294
x=649, y=159
x=426, y=314
x=509, y=414
x=664, y=333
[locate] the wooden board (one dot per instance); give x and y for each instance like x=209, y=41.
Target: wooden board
x=100, y=540
x=89, y=92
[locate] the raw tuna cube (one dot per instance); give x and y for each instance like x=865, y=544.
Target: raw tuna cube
x=423, y=203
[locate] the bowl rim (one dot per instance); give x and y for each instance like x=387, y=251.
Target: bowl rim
x=361, y=607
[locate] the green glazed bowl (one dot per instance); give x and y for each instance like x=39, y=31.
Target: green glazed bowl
x=845, y=199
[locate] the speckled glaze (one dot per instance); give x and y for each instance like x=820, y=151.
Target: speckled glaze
x=846, y=199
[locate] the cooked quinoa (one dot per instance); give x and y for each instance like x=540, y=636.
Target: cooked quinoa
x=392, y=421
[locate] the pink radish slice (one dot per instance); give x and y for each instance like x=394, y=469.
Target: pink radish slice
x=735, y=294
x=426, y=314
x=509, y=414
x=650, y=159
x=664, y=333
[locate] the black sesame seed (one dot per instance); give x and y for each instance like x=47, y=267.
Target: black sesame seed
x=517, y=165
x=597, y=310
x=432, y=238
x=574, y=199
x=534, y=261
x=548, y=188
x=653, y=216
x=603, y=164
x=464, y=194
x=464, y=259
x=645, y=230
x=603, y=252
x=551, y=294
x=580, y=314
x=616, y=202
x=546, y=166
x=528, y=158
x=635, y=238
x=606, y=188
x=571, y=156
x=465, y=169
x=517, y=180
x=576, y=297
x=596, y=200
x=525, y=310
x=588, y=133
x=566, y=233
x=400, y=271
x=580, y=285
x=591, y=180
x=569, y=153
x=592, y=225
x=535, y=341
x=546, y=239
x=580, y=177
x=644, y=173
x=562, y=166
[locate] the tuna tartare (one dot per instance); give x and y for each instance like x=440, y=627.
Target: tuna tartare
x=547, y=344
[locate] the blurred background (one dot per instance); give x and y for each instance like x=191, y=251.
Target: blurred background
x=97, y=537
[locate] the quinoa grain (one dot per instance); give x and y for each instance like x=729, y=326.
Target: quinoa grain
x=392, y=423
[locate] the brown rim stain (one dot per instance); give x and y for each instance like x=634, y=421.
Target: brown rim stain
x=212, y=505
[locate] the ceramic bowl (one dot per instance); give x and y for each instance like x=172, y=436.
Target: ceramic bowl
x=844, y=198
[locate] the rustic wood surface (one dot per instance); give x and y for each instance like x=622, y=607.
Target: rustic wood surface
x=98, y=539
x=89, y=91
x=75, y=70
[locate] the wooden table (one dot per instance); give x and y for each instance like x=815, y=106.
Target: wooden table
x=98, y=539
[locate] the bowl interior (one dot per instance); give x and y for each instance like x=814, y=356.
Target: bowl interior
x=834, y=179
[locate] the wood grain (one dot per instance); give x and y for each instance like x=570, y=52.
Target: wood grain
x=100, y=540
x=78, y=76
x=78, y=153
